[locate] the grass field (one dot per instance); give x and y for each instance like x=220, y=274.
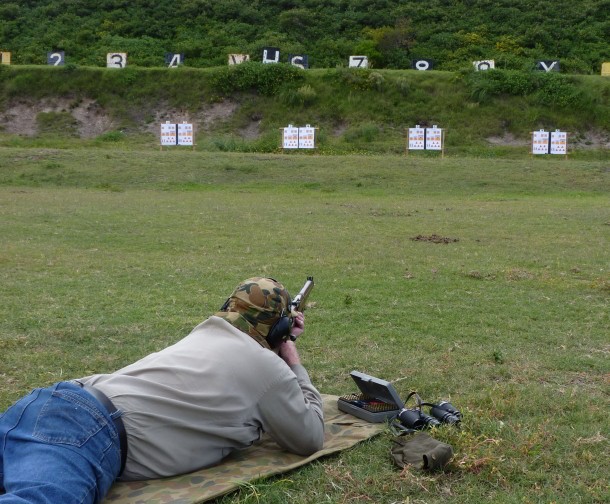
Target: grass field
x=482, y=281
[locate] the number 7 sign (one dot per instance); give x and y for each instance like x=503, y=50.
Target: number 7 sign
x=358, y=62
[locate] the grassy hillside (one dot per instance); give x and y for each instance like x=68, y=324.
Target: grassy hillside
x=516, y=33
x=108, y=256
x=242, y=108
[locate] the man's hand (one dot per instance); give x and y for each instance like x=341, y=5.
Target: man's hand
x=298, y=325
x=287, y=349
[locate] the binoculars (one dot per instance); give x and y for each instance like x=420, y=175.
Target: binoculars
x=441, y=413
x=416, y=419
x=445, y=412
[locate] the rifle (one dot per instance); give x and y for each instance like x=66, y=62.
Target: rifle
x=298, y=303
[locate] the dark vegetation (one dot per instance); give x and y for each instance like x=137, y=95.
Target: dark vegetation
x=240, y=108
x=391, y=33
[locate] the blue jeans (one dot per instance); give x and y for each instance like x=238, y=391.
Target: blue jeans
x=57, y=445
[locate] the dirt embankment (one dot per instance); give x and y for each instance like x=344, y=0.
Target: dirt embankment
x=87, y=119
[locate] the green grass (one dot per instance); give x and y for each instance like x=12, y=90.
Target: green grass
x=110, y=254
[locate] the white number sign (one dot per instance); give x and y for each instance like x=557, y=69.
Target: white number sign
x=57, y=58
x=422, y=64
x=358, y=62
x=236, y=59
x=298, y=60
x=174, y=60
x=484, y=65
x=116, y=60
x=271, y=55
x=548, y=66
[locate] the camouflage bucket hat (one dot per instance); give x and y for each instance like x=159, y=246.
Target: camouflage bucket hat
x=255, y=305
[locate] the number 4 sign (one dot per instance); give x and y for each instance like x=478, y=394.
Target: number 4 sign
x=173, y=60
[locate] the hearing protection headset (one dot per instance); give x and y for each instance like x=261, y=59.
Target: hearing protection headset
x=279, y=331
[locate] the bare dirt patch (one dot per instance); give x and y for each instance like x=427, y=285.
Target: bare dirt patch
x=19, y=117
x=585, y=140
x=590, y=140
x=251, y=131
x=202, y=120
x=508, y=139
x=339, y=129
x=434, y=238
x=221, y=111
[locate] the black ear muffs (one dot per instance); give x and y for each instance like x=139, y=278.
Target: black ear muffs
x=279, y=331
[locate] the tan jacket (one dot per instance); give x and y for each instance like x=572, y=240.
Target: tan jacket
x=215, y=391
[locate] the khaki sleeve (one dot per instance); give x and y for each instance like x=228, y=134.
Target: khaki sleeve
x=292, y=413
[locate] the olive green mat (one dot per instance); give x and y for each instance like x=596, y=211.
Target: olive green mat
x=259, y=461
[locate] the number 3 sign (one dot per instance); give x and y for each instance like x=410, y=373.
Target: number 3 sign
x=116, y=60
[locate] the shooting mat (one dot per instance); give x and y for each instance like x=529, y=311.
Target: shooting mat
x=259, y=461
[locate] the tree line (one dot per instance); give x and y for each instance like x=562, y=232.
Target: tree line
x=452, y=33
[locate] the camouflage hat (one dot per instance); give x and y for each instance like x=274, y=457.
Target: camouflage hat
x=255, y=305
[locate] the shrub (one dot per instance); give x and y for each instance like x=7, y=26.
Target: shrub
x=267, y=79
x=304, y=96
x=366, y=132
x=356, y=78
x=111, y=136
x=544, y=88
x=556, y=89
x=376, y=80
x=307, y=95
x=403, y=86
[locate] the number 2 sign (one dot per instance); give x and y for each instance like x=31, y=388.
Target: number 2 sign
x=56, y=58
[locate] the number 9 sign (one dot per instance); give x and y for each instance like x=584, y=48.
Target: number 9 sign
x=116, y=60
